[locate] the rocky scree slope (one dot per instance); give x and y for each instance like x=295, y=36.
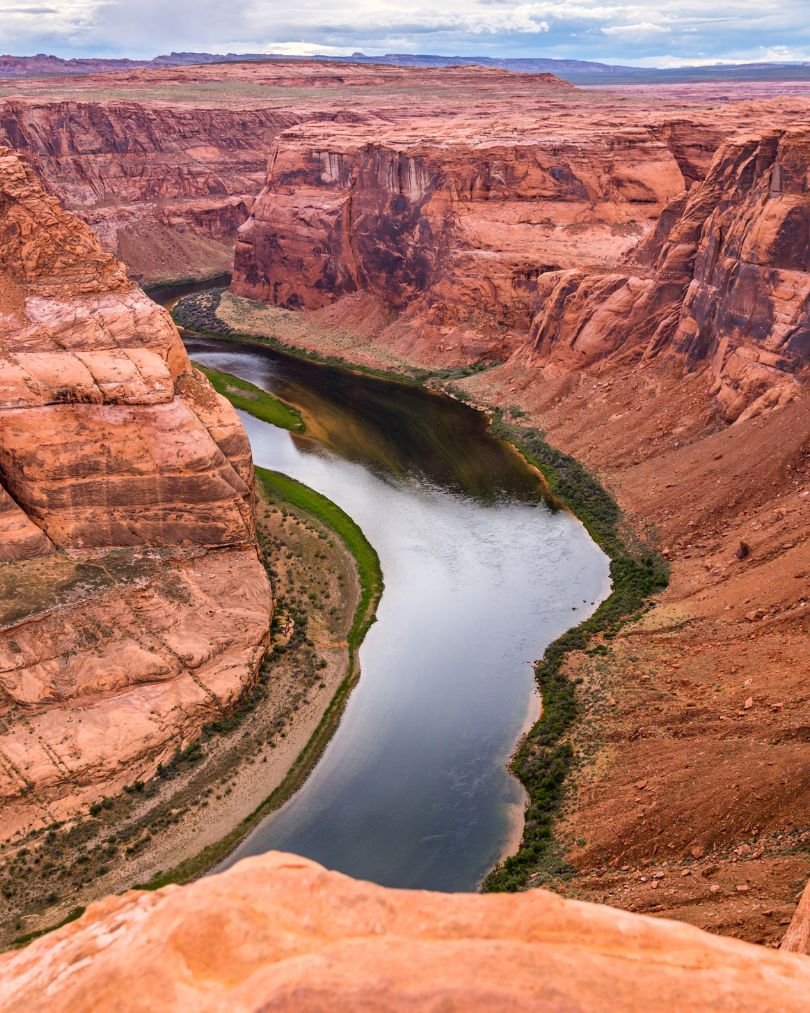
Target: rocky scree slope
x=133, y=606
x=682, y=378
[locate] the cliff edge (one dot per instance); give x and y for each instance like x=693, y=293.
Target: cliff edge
x=133, y=606
x=280, y=932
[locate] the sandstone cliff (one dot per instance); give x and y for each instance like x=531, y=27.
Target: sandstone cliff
x=451, y=233
x=591, y=241
x=133, y=603
x=646, y=292
x=279, y=932
x=164, y=188
x=722, y=282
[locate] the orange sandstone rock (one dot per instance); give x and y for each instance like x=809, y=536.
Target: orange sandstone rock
x=133, y=607
x=279, y=932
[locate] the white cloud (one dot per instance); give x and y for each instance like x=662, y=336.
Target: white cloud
x=619, y=31
x=643, y=28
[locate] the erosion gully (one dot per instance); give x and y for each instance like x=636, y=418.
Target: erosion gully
x=480, y=574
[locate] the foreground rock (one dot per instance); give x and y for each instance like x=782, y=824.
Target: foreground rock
x=133, y=606
x=280, y=932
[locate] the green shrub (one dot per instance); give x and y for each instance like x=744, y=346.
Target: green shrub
x=544, y=757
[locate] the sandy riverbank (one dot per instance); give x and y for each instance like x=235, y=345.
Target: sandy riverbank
x=173, y=818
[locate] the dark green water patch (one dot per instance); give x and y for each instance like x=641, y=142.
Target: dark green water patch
x=396, y=429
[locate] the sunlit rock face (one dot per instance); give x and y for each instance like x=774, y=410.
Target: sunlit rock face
x=450, y=224
x=280, y=932
x=722, y=284
x=134, y=605
x=595, y=246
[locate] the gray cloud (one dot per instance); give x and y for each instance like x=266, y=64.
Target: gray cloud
x=663, y=32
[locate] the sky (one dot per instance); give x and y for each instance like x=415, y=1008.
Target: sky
x=662, y=33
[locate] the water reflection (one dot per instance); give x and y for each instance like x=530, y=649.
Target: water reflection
x=479, y=577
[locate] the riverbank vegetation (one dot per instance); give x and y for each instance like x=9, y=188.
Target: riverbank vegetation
x=197, y=313
x=294, y=496
x=246, y=761
x=369, y=571
x=247, y=397
x=545, y=757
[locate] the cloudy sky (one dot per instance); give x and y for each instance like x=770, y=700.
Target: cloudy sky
x=658, y=32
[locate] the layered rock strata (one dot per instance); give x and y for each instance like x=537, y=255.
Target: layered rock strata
x=672, y=360
x=723, y=282
x=164, y=188
x=134, y=606
x=451, y=234
x=165, y=163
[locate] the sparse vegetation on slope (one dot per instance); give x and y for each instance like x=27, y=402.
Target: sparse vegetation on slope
x=545, y=756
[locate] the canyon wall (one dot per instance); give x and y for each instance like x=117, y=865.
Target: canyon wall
x=647, y=286
x=279, y=932
x=163, y=188
x=134, y=607
x=450, y=233
x=722, y=282
x=594, y=246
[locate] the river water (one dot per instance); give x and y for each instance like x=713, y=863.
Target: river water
x=480, y=575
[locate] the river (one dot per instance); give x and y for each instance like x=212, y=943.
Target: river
x=480, y=575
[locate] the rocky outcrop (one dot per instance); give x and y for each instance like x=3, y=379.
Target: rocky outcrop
x=452, y=232
x=797, y=937
x=134, y=606
x=593, y=245
x=722, y=284
x=280, y=932
x=165, y=188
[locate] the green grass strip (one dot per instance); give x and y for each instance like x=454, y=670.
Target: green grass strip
x=252, y=399
x=288, y=491
x=369, y=572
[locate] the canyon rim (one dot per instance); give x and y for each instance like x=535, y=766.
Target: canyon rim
x=620, y=280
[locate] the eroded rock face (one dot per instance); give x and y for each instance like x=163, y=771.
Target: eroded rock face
x=451, y=231
x=591, y=243
x=164, y=188
x=280, y=932
x=134, y=605
x=725, y=284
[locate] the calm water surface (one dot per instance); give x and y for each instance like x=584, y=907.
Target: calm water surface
x=480, y=575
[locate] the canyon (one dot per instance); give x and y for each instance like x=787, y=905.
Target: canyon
x=627, y=272
x=134, y=603
x=642, y=296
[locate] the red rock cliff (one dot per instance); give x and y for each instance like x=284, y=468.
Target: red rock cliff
x=450, y=231
x=721, y=284
x=134, y=605
x=165, y=188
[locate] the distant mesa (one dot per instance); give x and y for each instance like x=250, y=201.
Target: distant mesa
x=583, y=72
